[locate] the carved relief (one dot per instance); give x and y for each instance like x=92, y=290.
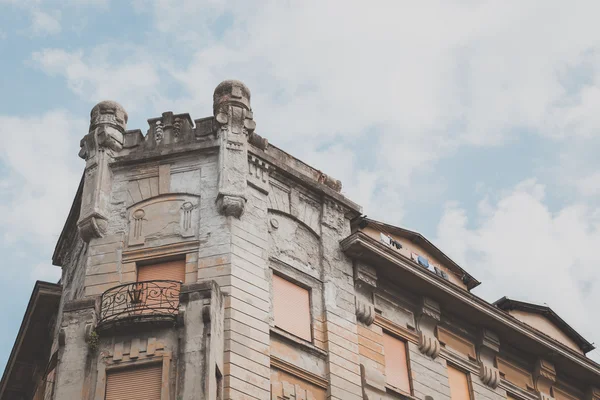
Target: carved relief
x=364, y=275
x=393, y=309
x=287, y=391
x=292, y=243
x=307, y=210
x=429, y=317
x=258, y=173
x=279, y=197
x=162, y=220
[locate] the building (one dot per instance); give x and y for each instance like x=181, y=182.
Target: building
x=200, y=262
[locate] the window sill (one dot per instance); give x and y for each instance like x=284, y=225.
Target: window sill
x=297, y=341
x=399, y=393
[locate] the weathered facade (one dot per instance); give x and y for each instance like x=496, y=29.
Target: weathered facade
x=200, y=262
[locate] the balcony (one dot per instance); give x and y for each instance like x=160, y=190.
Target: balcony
x=155, y=301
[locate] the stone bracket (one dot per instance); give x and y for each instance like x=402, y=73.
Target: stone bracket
x=430, y=315
x=373, y=383
x=365, y=312
x=489, y=347
x=364, y=275
x=544, y=377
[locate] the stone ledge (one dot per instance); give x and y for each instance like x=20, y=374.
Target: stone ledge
x=80, y=304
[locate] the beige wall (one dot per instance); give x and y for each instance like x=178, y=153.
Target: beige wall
x=408, y=247
x=542, y=324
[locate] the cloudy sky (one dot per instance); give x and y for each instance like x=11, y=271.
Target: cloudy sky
x=476, y=123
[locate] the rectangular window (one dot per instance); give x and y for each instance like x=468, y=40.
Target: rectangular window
x=459, y=384
x=143, y=383
x=170, y=271
x=396, y=363
x=291, y=307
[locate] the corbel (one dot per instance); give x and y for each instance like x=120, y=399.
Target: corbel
x=429, y=317
x=365, y=312
x=489, y=347
x=373, y=383
x=543, y=378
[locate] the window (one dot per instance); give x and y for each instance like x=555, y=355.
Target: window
x=143, y=383
x=170, y=270
x=291, y=308
x=396, y=363
x=459, y=384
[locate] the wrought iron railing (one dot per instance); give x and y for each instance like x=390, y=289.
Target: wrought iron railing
x=146, y=300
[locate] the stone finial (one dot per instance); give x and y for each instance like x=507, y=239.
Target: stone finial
x=489, y=346
x=109, y=112
x=231, y=92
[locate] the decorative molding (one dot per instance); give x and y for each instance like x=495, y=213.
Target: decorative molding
x=298, y=372
x=457, y=343
x=149, y=253
x=365, y=312
x=258, y=173
x=429, y=317
x=396, y=329
x=489, y=347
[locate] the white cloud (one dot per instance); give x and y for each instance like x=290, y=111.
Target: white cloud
x=521, y=249
x=94, y=77
x=589, y=185
x=40, y=175
x=44, y=23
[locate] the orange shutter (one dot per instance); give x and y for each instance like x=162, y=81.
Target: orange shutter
x=291, y=306
x=170, y=270
x=459, y=384
x=134, y=384
x=396, y=363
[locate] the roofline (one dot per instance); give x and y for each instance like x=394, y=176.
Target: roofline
x=422, y=240
x=364, y=244
x=52, y=289
x=506, y=304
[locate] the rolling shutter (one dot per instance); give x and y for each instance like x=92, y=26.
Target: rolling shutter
x=459, y=384
x=170, y=270
x=396, y=363
x=291, y=306
x=134, y=384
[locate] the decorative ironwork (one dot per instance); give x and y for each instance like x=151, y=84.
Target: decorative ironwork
x=146, y=300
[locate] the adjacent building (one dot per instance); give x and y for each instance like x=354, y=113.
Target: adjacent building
x=201, y=262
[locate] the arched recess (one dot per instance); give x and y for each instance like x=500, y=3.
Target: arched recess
x=293, y=242
x=163, y=219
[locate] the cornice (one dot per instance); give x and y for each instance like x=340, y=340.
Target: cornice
x=298, y=372
x=359, y=244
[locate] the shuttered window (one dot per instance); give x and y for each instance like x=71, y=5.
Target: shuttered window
x=459, y=384
x=291, y=308
x=143, y=383
x=396, y=363
x=170, y=270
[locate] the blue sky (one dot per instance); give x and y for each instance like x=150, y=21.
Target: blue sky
x=473, y=122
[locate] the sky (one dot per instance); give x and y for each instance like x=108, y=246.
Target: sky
x=475, y=123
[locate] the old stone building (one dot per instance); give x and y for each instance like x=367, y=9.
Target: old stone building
x=200, y=262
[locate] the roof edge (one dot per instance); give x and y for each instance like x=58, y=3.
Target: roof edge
x=507, y=304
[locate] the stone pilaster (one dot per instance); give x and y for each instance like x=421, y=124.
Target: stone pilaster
x=73, y=380
x=544, y=378
x=429, y=317
x=201, y=312
x=105, y=137
x=233, y=116
x=489, y=347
